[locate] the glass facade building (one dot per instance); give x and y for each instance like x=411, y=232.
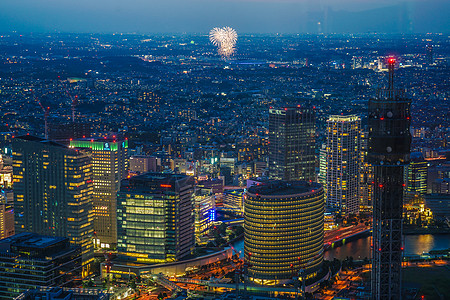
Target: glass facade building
x=233, y=200
x=292, y=143
x=155, y=218
x=416, y=181
x=53, y=192
x=109, y=167
x=205, y=211
x=366, y=176
x=284, y=230
x=29, y=261
x=343, y=163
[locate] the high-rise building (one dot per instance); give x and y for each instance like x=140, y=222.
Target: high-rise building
x=416, y=181
x=389, y=149
x=63, y=132
x=292, y=143
x=204, y=210
x=141, y=164
x=109, y=166
x=284, y=230
x=439, y=204
x=53, y=192
x=233, y=200
x=440, y=186
x=322, y=176
x=155, y=218
x=30, y=261
x=366, y=176
x=343, y=163
x=6, y=213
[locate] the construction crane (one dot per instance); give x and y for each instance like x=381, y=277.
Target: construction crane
x=73, y=98
x=240, y=268
x=46, y=114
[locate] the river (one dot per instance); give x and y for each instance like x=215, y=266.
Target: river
x=360, y=248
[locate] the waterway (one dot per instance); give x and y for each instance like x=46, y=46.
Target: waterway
x=360, y=248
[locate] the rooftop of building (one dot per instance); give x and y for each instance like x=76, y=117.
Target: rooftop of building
x=30, y=240
x=152, y=179
x=36, y=139
x=63, y=293
x=284, y=188
x=109, y=139
x=342, y=118
x=234, y=192
x=417, y=157
x=158, y=176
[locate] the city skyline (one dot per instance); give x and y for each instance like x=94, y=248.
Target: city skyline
x=229, y=165
x=251, y=16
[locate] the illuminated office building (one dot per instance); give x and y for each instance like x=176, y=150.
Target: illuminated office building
x=233, y=200
x=322, y=177
x=284, y=230
x=416, y=181
x=141, y=164
x=292, y=143
x=109, y=167
x=343, y=162
x=53, y=192
x=6, y=213
x=204, y=210
x=155, y=218
x=6, y=177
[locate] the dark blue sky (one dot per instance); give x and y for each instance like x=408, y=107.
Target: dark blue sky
x=246, y=16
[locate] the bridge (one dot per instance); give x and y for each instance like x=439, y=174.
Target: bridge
x=342, y=234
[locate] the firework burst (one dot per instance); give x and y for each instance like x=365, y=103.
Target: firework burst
x=225, y=39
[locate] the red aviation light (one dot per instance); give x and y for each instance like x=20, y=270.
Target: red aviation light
x=391, y=60
x=380, y=185
x=381, y=118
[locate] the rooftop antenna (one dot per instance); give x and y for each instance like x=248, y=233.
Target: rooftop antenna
x=391, y=65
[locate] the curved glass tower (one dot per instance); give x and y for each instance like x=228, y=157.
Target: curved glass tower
x=283, y=230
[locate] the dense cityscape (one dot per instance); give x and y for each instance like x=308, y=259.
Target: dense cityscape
x=196, y=166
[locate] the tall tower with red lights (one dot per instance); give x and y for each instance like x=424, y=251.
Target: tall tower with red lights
x=388, y=153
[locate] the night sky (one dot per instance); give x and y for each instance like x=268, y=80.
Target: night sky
x=246, y=16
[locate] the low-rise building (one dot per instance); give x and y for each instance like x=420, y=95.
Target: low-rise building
x=29, y=261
